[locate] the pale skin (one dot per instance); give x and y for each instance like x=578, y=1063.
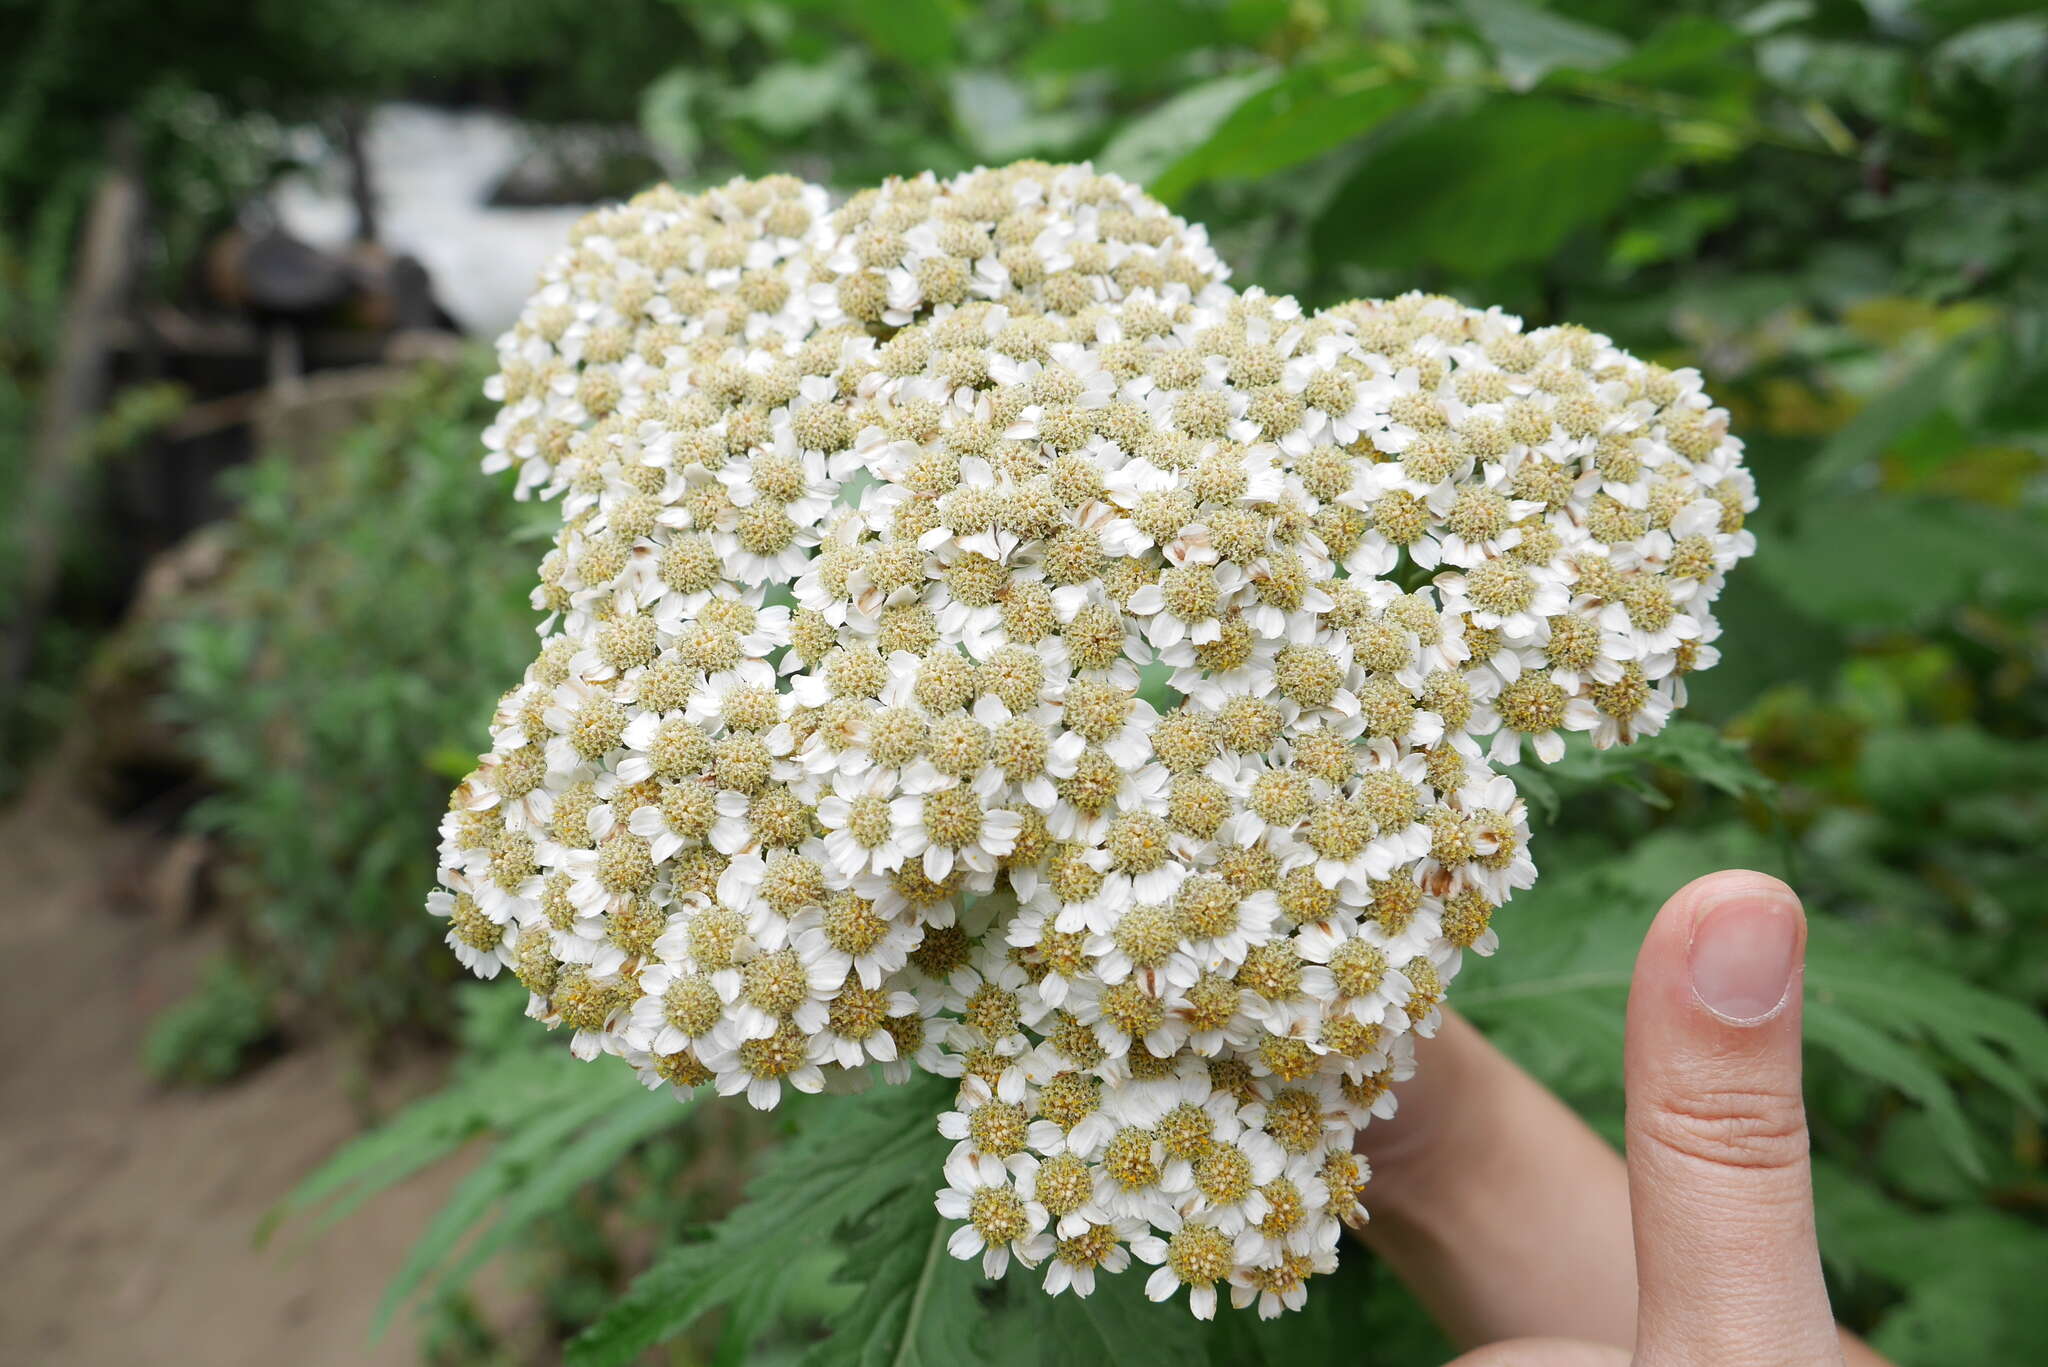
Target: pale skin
x=1534, y=1244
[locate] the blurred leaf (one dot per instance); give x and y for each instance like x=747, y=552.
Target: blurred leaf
x=450, y=762
x=1309, y=111
x=555, y=1124
x=1682, y=47
x=668, y=118
x=2005, y=54
x=1159, y=139
x=1871, y=561
x=1910, y=1156
x=788, y=98
x=212, y=1034
x=1773, y=15
x=996, y=114
x=1900, y=407
x=1672, y=230
x=1870, y=78
x=1479, y=192
x=918, y=33
x=1912, y=770
x=1255, y=22
x=1530, y=42
x=1973, y=1303
x=1136, y=37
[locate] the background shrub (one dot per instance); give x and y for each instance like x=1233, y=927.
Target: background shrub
x=338, y=680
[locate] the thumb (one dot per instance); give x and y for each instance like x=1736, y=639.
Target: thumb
x=1727, y=1266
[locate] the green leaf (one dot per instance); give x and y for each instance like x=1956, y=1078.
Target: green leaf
x=1972, y=1303
x=1114, y=1323
x=918, y=33
x=1486, y=190
x=1692, y=749
x=1898, y=408
x=2004, y=54
x=1911, y=770
x=473, y=1198
x=1893, y=562
x=1907, y=994
x=1136, y=37
x=1875, y=79
x=1773, y=15
x=614, y=1130
x=1000, y=123
x=1128, y=1327
x=668, y=118
x=1671, y=230
x=1306, y=113
x=1684, y=46
x=534, y=1170
x=1162, y=137
x=788, y=98
x=1876, y=1054
x=850, y=1158
x=917, y=1305
x=501, y=1092
x=555, y=1124
x=1529, y=43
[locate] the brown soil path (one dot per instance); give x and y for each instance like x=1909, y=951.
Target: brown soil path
x=126, y=1211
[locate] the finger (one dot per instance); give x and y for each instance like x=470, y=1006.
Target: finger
x=1504, y=1213
x=1727, y=1266
x=1544, y=1353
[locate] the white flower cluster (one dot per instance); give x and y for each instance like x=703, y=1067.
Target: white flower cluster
x=980, y=639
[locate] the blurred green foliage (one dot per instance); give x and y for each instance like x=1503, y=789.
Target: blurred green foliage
x=1835, y=209
x=337, y=681
x=203, y=96
x=214, y=1033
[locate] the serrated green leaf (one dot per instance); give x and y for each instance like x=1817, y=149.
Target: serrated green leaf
x=1909, y=994
x=1691, y=748
x=1876, y=1054
x=846, y=1150
x=1478, y=192
x=916, y=1305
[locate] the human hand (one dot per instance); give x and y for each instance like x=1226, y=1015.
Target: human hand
x=1532, y=1241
